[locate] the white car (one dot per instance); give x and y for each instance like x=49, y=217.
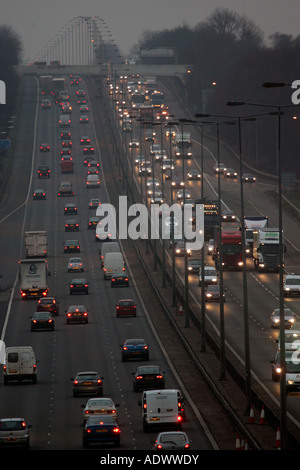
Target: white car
x=210, y=275
x=154, y=148
x=291, y=285
x=94, y=203
x=13, y=431
x=167, y=164
x=100, y=407
x=134, y=143
x=75, y=264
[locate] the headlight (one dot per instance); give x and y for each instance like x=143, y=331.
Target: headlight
x=286, y=288
x=290, y=382
x=278, y=370
x=240, y=263
x=208, y=295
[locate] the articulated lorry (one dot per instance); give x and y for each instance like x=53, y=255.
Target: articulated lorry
x=33, y=276
x=211, y=216
x=36, y=244
x=266, y=249
x=45, y=83
x=232, y=255
x=251, y=223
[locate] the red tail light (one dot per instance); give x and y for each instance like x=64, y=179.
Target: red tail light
x=116, y=430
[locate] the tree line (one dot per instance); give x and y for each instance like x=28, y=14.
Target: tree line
x=231, y=60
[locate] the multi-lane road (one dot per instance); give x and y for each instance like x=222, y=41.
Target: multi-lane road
x=49, y=405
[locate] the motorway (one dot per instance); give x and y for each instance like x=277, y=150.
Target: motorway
x=49, y=406
x=263, y=288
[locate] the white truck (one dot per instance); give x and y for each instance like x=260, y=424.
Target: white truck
x=113, y=262
x=36, y=244
x=33, y=276
x=251, y=223
x=266, y=249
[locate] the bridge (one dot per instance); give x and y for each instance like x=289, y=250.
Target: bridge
x=84, y=46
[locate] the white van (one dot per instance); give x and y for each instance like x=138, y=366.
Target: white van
x=112, y=262
x=20, y=364
x=162, y=408
x=64, y=120
x=112, y=247
x=92, y=181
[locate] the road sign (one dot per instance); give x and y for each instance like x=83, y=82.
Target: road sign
x=4, y=144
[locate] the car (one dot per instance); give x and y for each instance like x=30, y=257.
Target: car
x=43, y=171
x=85, y=140
x=93, y=222
x=65, y=135
x=83, y=119
x=248, y=178
x=171, y=440
x=67, y=144
x=219, y=168
x=84, y=108
x=87, y=160
x=14, y=432
x=70, y=208
x=228, y=216
x=103, y=406
x=39, y=194
x=168, y=164
x=276, y=366
x=230, y=173
x=79, y=285
x=101, y=430
x=148, y=377
x=289, y=318
x=80, y=93
x=181, y=248
x=158, y=197
x=119, y=279
x=210, y=275
x=77, y=314
x=71, y=225
x=44, y=148
x=171, y=131
x=135, y=348
x=183, y=194
x=177, y=182
x=291, y=340
x=194, y=175
x=75, y=265
x=65, y=152
x=211, y=246
x=88, y=150
x=152, y=182
x=48, y=304
x=126, y=307
x=292, y=370
x=169, y=175
x=71, y=246
x=145, y=169
x=103, y=234
x=194, y=265
x=93, y=163
x=213, y=294
x=93, y=171
x=154, y=148
x=46, y=104
x=66, y=108
x=42, y=321
x=134, y=143
x=291, y=285
x=160, y=155
x=81, y=101
x=87, y=383
x=139, y=160
x=94, y=203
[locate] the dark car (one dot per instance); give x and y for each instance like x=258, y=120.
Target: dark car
x=66, y=144
x=93, y=222
x=135, y=349
x=248, y=178
x=48, y=304
x=42, y=321
x=228, y=216
x=194, y=175
x=71, y=225
x=212, y=293
x=87, y=160
x=44, y=148
x=88, y=150
x=70, y=208
x=85, y=140
x=71, y=246
x=194, y=265
x=101, y=430
x=65, y=135
x=77, y=314
x=126, y=307
x=79, y=285
x=119, y=279
x=87, y=383
x=177, y=182
x=148, y=377
x=43, y=171
x=39, y=194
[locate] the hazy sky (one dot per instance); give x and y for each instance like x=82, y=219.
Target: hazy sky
x=37, y=21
